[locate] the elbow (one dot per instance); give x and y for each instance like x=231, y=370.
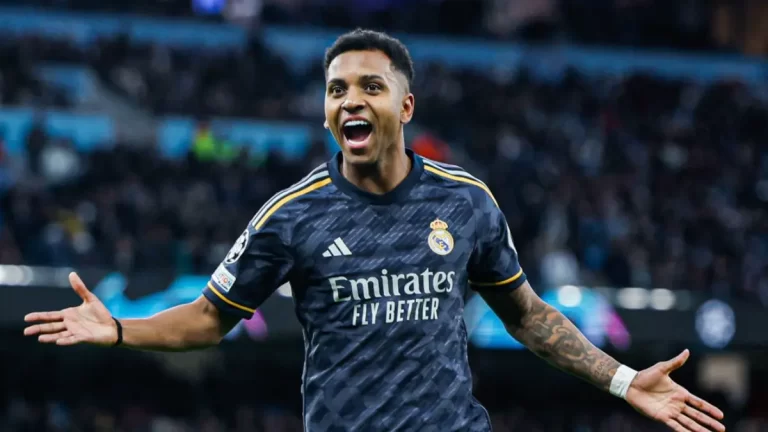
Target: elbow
x=530, y=321
x=209, y=329
x=215, y=339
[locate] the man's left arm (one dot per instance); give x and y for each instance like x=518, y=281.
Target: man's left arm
x=550, y=335
x=495, y=273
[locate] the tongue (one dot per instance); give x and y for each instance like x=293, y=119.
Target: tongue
x=357, y=133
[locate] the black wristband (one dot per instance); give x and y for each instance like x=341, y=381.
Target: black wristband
x=119, y=332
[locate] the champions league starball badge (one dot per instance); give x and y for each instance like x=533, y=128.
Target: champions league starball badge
x=440, y=240
x=237, y=249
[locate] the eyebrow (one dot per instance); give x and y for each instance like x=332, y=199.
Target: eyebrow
x=372, y=78
x=341, y=82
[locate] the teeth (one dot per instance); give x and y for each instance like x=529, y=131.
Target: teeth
x=356, y=123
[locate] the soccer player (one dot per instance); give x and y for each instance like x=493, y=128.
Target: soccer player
x=380, y=247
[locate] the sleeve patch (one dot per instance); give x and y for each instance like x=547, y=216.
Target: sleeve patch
x=238, y=248
x=223, y=278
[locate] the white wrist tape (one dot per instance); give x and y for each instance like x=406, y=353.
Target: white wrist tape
x=621, y=381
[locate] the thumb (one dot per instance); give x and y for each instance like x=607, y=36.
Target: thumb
x=672, y=365
x=80, y=289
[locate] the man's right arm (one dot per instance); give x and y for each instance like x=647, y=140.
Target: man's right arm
x=256, y=265
x=194, y=325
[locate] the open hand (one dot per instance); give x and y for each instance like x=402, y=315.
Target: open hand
x=654, y=394
x=90, y=322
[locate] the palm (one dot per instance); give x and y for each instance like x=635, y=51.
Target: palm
x=90, y=322
x=654, y=394
x=661, y=397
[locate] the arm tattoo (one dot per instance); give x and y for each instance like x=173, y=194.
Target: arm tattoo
x=551, y=336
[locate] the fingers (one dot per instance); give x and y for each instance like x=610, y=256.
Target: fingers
x=62, y=338
x=44, y=316
x=53, y=338
x=690, y=425
x=675, y=426
x=47, y=328
x=703, y=419
x=79, y=287
x=670, y=366
x=69, y=340
x=704, y=406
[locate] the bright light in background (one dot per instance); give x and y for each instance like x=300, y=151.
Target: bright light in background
x=569, y=296
x=633, y=298
x=61, y=277
x=716, y=324
x=662, y=299
x=15, y=275
x=209, y=6
x=26, y=275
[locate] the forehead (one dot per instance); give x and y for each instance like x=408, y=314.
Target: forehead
x=358, y=63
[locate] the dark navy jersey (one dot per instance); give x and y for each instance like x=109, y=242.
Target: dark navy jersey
x=379, y=283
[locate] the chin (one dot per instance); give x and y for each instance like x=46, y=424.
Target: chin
x=356, y=158
x=361, y=156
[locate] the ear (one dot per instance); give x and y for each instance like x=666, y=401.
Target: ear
x=325, y=124
x=406, y=110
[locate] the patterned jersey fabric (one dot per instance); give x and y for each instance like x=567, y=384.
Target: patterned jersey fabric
x=379, y=283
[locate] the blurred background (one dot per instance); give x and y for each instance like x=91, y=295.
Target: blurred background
x=626, y=141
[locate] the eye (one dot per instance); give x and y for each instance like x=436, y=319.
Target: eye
x=335, y=90
x=372, y=87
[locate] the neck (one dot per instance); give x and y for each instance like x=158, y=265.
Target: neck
x=382, y=176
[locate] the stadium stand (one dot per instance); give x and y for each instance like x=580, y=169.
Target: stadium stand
x=644, y=180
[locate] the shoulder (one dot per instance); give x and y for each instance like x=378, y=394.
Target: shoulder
x=457, y=178
x=292, y=199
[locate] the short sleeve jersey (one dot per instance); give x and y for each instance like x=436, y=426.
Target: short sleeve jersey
x=379, y=283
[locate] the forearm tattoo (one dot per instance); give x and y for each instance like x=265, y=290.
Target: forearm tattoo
x=551, y=336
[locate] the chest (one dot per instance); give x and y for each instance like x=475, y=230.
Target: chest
x=354, y=239
x=399, y=267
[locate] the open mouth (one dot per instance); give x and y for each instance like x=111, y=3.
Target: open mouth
x=357, y=132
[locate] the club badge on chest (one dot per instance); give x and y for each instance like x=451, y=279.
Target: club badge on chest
x=440, y=240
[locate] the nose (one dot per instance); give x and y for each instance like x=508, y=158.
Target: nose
x=352, y=106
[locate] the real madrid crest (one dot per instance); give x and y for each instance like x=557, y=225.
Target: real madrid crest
x=440, y=240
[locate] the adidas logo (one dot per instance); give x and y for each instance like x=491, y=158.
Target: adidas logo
x=338, y=248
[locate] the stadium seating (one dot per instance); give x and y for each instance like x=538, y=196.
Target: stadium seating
x=602, y=146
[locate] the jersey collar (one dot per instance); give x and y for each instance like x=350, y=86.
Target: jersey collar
x=399, y=193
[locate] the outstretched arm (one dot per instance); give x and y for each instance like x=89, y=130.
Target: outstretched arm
x=198, y=324
x=257, y=263
x=551, y=336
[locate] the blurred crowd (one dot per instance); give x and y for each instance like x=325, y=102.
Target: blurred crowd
x=19, y=82
x=626, y=181
x=52, y=416
x=163, y=79
x=688, y=24
x=131, y=210
x=245, y=388
x=211, y=407
x=635, y=181
x=56, y=417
